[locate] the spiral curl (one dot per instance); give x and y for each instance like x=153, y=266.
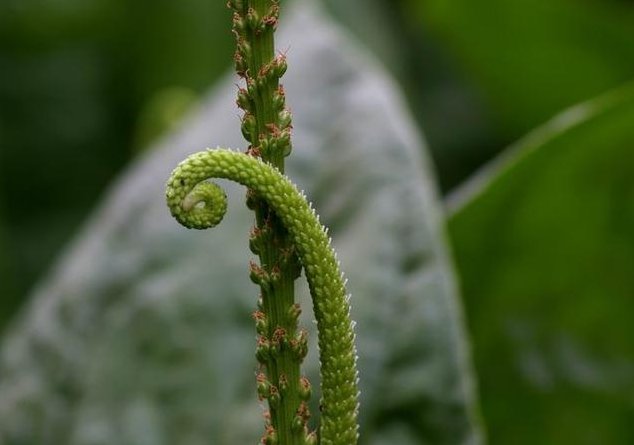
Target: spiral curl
x=187, y=189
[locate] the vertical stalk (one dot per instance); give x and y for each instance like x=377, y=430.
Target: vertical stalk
x=266, y=125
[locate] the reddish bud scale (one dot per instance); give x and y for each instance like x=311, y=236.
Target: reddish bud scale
x=270, y=20
x=263, y=350
x=263, y=386
x=270, y=436
x=261, y=323
x=303, y=411
x=305, y=389
x=279, y=339
x=259, y=276
x=274, y=397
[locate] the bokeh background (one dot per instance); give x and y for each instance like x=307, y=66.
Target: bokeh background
x=87, y=85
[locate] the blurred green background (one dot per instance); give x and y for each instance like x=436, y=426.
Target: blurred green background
x=87, y=84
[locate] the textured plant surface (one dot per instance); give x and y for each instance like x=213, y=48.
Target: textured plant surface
x=195, y=203
x=266, y=125
x=285, y=228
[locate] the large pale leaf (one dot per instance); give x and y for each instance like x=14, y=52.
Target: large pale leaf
x=545, y=247
x=143, y=334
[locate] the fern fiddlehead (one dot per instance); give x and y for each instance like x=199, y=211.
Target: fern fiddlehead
x=196, y=203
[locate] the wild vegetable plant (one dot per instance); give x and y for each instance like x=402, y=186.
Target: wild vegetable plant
x=287, y=237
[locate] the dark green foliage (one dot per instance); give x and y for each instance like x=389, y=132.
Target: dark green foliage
x=545, y=248
x=509, y=66
x=74, y=77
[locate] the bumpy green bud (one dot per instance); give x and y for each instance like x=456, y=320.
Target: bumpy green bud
x=294, y=311
x=275, y=276
x=284, y=141
x=278, y=101
x=259, y=276
x=270, y=436
x=278, y=341
x=279, y=66
x=203, y=207
x=284, y=119
x=299, y=345
x=311, y=439
x=240, y=64
x=237, y=5
x=267, y=145
x=239, y=24
x=261, y=323
x=252, y=88
x=298, y=424
x=263, y=350
x=253, y=20
x=263, y=386
x=255, y=244
x=286, y=149
x=249, y=128
x=272, y=17
x=274, y=397
x=283, y=384
x=305, y=389
x=258, y=238
x=244, y=100
x=244, y=49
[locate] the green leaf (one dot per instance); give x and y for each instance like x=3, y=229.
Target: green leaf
x=545, y=247
x=532, y=58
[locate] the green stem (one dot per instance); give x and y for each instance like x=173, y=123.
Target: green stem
x=267, y=126
x=198, y=204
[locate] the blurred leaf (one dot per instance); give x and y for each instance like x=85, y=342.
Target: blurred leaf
x=532, y=58
x=544, y=243
x=162, y=114
x=375, y=23
x=453, y=115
